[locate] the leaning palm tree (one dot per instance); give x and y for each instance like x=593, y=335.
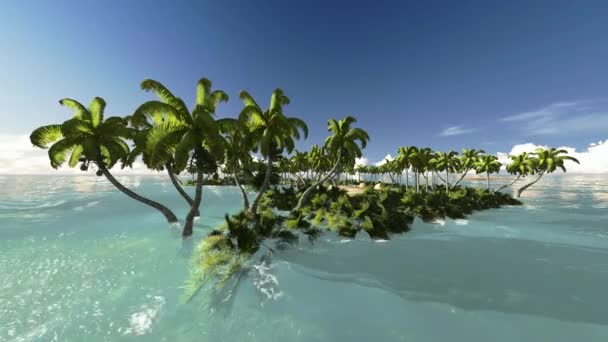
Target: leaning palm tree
x=547, y=161
x=522, y=165
x=271, y=132
x=344, y=143
x=184, y=136
x=447, y=162
x=404, y=160
x=140, y=139
x=89, y=139
x=487, y=164
x=467, y=162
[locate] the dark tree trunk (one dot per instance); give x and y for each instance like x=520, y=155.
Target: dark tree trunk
x=179, y=188
x=198, y=195
x=171, y=218
x=265, y=185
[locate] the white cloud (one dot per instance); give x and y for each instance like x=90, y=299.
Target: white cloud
x=18, y=156
x=593, y=160
x=455, y=130
x=383, y=161
x=561, y=117
x=361, y=161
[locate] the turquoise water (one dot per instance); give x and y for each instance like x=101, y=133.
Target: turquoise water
x=82, y=262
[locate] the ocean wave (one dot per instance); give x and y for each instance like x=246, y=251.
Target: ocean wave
x=265, y=282
x=141, y=321
x=39, y=206
x=461, y=222
x=88, y=205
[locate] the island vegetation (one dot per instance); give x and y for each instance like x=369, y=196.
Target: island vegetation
x=296, y=193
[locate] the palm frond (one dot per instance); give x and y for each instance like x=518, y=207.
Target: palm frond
x=96, y=108
x=45, y=135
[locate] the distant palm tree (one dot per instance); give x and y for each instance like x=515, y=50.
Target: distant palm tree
x=547, y=161
x=487, y=164
x=467, y=162
x=184, y=136
x=447, y=162
x=271, y=132
x=405, y=156
x=420, y=164
x=88, y=138
x=522, y=165
x=344, y=141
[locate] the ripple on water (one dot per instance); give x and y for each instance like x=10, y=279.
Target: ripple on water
x=265, y=282
x=142, y=320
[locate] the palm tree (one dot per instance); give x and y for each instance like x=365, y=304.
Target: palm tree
x=344, y=142
x=237, y=147
x=405, y=156
x=271, y=132
x=447, y=162
x=467, y=162
x=487, y=164
x=547, y=161
x=88, y=138
x=184, y=136
x=420, y=163
x=141, y=132
x=522, y=165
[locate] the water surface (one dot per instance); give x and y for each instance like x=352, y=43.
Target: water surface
x=82, y=262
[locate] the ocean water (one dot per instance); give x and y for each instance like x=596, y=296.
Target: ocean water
x=80, y=261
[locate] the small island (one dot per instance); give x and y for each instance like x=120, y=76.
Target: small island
x=295, y=193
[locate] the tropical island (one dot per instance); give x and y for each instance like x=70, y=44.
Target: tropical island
x=296, y=193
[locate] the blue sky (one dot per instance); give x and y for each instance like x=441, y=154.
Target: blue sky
x=443, y=74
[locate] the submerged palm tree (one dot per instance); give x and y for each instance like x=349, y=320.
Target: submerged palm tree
x=271, y=132
x=88, y=138
x=547, y=161
x=344, y=142
x=184, y=137
x=487, y=164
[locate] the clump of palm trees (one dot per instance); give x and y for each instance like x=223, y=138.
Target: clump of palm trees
x=256, y=147
x=422, y=162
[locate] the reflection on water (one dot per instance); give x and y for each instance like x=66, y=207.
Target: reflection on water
x=80, y=261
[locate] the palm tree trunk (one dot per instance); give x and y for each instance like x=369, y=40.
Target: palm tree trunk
x=461, y=178
x=508, y=185
x=407, y=179
x=198, y=195
x=488, y=179
x=243, y=192
x=417, y=182
x=529, y=184
x=447, y=187
x=308, y=191
x=171, y=218
x=265, y=185
x=179, y=188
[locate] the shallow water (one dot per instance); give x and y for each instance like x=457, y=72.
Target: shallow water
x=82, y=262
